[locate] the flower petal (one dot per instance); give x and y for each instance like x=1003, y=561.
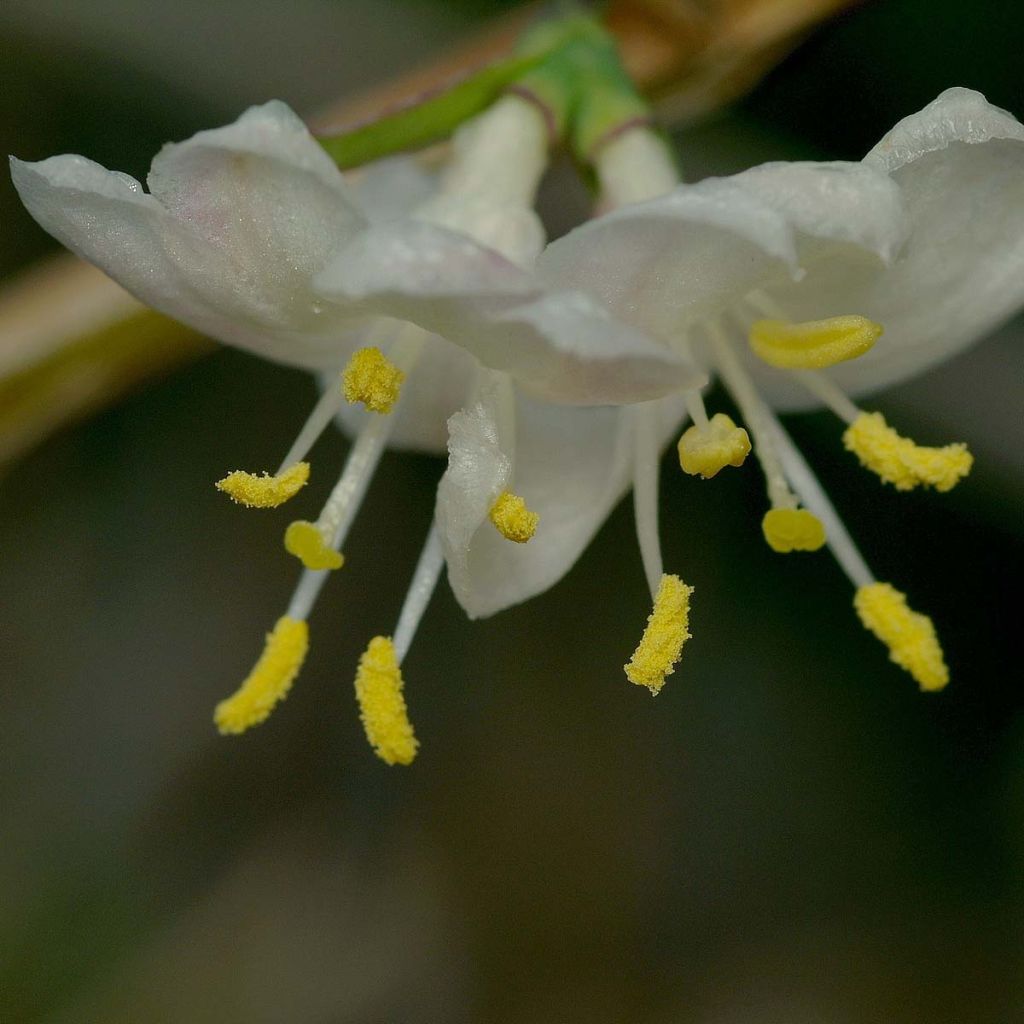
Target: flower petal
x=956, y=115
x=250, y=212
x=835, y=201
x=666, y=263
x=959, y=164
x=674, y=261
x=560, y=345
x=572, y=466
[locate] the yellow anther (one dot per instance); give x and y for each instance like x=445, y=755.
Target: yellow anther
x=306, y=542
x=704, y=452
x=792, y=529
x=269, y=681
x=371, y=378
x=381, y=704
x=909, y=635
x=662, y=643
x=513, y=520
x=814, y=344
x=901, y=462
x=265, y=491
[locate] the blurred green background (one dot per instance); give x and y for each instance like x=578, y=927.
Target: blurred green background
x=790, y=834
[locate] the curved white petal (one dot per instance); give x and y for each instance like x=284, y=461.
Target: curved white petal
x=561, y=345
x=392, y=188
x=956, y=115
x=665, y=263
x=959, y=165
x=239, y=219
x=674, y=261
x=572, y=466
x=835, y=201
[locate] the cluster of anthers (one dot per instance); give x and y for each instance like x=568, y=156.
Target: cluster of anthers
x=436, y=318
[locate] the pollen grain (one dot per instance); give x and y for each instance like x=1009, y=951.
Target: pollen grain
x=667, y=630
x=371, y=378
x=909, y=635
x=513, y=520
x=705, y=451
x=381, y=704
x=814, y=344
x=306, y=542
x=901, y=462
x=265, y=491
x=269, y=681
x=792, y=529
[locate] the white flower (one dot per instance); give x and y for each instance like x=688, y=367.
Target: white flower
x=924, y=237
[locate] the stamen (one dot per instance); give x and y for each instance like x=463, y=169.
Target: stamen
x=513, y=520
x=371, y=378
x=705, y=451
x=895, y=459
x=667, y=630
x=814, y=497
x=381, y=704
x=307, y=543
x=814, y=344
x=792, y=529
x=909, y=635
x=265, y=491
x=269, y=681
x=379, y=679
x=340, y=509
x=901, y=462
x=785, y=527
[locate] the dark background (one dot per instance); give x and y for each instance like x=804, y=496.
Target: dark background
x=790, y=833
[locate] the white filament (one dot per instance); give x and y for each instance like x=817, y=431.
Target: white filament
x=646, y=464
x=829, y=393
x=424, y=582
x=813, y=495
x=756, y=415
x=322, y=414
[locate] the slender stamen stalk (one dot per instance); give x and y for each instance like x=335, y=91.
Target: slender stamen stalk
x=813, y=495
x=424, y=582
x=829, y=394
x=343, y=504
x=695, y=407
x=323, y=412
x=646, y=464
x=755, y=415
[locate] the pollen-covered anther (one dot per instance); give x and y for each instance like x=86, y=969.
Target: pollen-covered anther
x=381, y=704
x=306, y=542
x=909, y=635
x=512, y=519
x=704, y=451
x=265, y=491
x=901, y=462
x=814, y=344
x=269, y=681
x=667, y=630
x=792, y=529
x=371, y=378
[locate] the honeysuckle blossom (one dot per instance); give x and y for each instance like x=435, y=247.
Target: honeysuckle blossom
x=236, y=223
x=844, y=278
x=435, y=318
